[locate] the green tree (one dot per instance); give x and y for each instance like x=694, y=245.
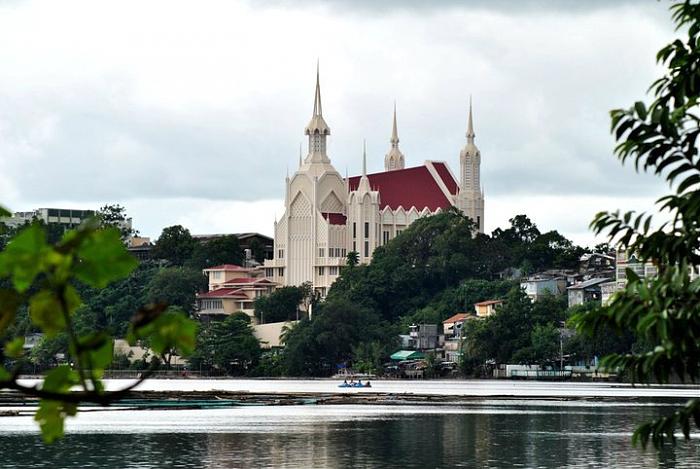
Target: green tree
x=352, y=259
x=228, y=345
x=281, y=305
x=115, y=216
x=222, y=250
x=664, y=311
x=176, y=286
x=41, y=276
x=175, y=244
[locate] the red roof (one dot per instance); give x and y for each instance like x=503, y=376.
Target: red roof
x=247, y=280
x=456, y=317
x=410, y=187
x=446, y=176
x=489, y=302
x=335, y=218
x=223, y=293
x=230, y=267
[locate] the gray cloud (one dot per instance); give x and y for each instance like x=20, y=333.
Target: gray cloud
x=210, y=102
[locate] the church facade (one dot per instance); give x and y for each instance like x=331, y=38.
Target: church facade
x=328, y=216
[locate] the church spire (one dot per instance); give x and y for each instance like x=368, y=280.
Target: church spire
x=317, y=98
x=394, y=131
x=470, y=124
x=317, y=129
x=394, y=159
x=364, y=157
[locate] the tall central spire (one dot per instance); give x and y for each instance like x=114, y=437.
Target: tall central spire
x=394, y=131
x=318, y=111
x=394, y=159
x=470, y=124
x=317, y=129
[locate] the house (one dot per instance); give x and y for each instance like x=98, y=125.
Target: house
x=538, y=286
x=402, y=355
x=486, y=308
x=589, y=290
x=598, y=264
x=232, y=288
x=424, y=336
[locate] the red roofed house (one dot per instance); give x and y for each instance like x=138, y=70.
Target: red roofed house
x=326, y=216
x=486, y=308
x=232, y=288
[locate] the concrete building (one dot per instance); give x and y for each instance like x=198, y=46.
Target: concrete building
x=536, y=287
x=68, y=218
x=486, y=308
x=327, y=215
x=584, y=292
x=232, y=288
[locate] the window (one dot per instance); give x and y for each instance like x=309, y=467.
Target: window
x=366, y=248
x=269, y=272
x=354, y=230
x=398, y=232
x=280, y=253
x=280, y=271
x=321, y=271
x=321, y=252
x=478, y=221
x=354, y=246
x=333, y=270
x=366, y=230
x=385, y=237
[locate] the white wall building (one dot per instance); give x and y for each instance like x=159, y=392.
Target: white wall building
x=327, y=216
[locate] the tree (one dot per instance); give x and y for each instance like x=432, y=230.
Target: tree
x=115, y=216
x=222, y=250
x=663, y=311
x=228, y=345
x=353, y=258
x=175, y=244
x=257, y=249
x=281, y=305
x=176, y=286
x=40, y=276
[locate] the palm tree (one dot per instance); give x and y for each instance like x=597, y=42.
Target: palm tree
x=353, y=258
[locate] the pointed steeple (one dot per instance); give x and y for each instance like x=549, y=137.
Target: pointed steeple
x=470, y=124
x=394, y=159
x=318, y=111
x=317, y=130
x=364, y=157
x=394, y=132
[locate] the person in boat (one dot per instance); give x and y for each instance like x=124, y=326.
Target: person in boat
x=367, y=385
x=359, y=382
x=345, y=381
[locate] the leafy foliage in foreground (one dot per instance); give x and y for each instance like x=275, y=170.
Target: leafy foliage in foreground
x=43, y=278
x=663, y=311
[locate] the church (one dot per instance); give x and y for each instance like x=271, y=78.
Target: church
x=327, y=216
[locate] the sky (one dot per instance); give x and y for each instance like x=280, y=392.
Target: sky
x=191, y=112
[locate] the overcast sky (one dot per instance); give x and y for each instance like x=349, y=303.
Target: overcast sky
x=190, y=112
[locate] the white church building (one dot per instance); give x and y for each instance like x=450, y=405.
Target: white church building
x=327, y=216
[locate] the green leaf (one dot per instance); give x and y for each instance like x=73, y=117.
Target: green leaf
x=102, y=258
x=60, y=379
x=9, y=302
x=4, y=212
x=24, y=257
x=15, y=347
x=97, y=350
x=4, y=374
x=45, y=311
x=51, y=416
x=171, y=329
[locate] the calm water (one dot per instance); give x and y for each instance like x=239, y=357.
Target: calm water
x=514, y=433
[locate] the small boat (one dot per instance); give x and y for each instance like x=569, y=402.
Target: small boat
x=346, y=385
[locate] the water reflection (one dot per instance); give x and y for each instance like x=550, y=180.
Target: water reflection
x=478, y=436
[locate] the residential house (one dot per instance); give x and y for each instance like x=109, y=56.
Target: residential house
x=486, y=308
x=589, y=290
x=537, y=286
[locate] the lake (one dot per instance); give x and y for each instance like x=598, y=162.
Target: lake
x=512, y=432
